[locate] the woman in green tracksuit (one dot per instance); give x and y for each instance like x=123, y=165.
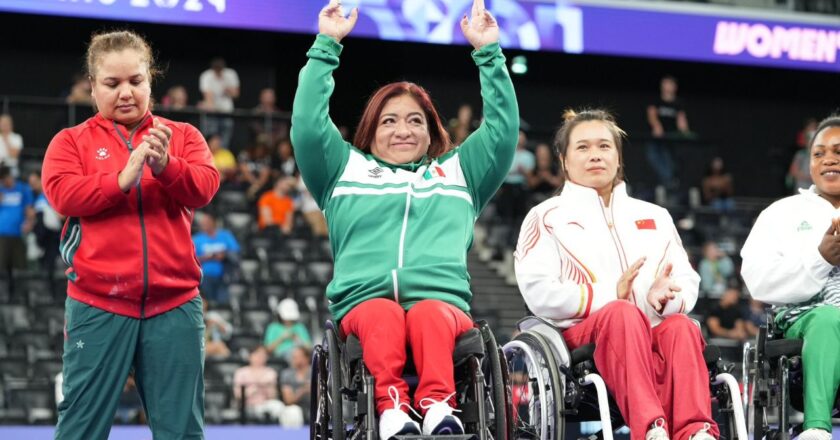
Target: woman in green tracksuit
x=400, y=204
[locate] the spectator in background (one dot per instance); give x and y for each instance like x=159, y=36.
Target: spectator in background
x=257, y=384
x=512, y=196
x=726, y=319
x=715, y=270
x=274, y=129
x=668, y=121
x=717, y=187
x=283, y=160
x=255, y=169
x=463, y=125
x=214, y=247
x=223, y=160
x=17, y=217
x=277, y=208
x=295, y=380
x=219, y=86
x=545, y=178
x=176, y=98
x=217, y=330
x=756, y=316
x=10, y=144
x=130, y=408
x=47, y=227
x=282, y=336
x=310, y=210
x=80, y=91
x=799, y=173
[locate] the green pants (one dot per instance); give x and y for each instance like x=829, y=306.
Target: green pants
x=166, y=353
x=820, y=331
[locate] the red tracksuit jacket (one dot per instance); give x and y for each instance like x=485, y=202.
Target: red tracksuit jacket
x=129, y=253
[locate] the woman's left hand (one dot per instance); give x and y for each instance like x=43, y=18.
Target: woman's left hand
x=663, y=289
x=481, y=27
x=158, y=140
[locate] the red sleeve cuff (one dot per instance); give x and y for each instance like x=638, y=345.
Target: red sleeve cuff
x=172, y=171
x=110, y=187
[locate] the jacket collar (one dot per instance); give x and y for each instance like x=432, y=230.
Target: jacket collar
x=580, y=194
x=101, y=121
x=812, y=194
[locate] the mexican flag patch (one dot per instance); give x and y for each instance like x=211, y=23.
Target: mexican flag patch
x=432, y=172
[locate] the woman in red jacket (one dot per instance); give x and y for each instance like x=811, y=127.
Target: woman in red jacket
x=128, y=183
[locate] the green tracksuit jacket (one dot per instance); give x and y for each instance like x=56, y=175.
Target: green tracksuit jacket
x=401, y=231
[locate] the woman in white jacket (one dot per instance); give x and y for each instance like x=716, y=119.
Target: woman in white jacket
x=791, y=259
x=611, y=270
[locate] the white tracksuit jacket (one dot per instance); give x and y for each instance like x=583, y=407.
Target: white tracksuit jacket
x=572, y=251
x=781, y=262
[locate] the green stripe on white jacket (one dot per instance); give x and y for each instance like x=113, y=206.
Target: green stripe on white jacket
x=398, y=231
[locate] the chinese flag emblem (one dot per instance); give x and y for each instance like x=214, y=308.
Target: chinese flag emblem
x=647, y=223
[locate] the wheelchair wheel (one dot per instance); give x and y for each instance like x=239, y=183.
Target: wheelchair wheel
x=497, y=392
x=537, y=388
x=326, y=416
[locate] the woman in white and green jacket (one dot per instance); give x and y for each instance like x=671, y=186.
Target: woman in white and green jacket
x=400, y=205
x=791, y=259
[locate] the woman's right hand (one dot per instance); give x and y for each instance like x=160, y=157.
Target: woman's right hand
x=625, y=283
x=133, y=171
x=333, y=23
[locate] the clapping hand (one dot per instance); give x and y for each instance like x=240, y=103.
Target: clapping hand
x=333, y=23
x=830, y=245
x=158, y=140
x=663, y=289
x=480, y=28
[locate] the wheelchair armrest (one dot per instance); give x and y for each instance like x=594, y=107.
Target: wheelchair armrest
x=782, y=347
x=583, y=353
x=711, y=354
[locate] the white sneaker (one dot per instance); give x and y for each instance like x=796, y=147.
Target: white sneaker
x=815, y=434
x=657, y=431
x=395, y=421
x=703, y=434
x=439, y=419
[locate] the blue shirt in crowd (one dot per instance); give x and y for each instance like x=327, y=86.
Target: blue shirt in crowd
x=13, y=204
x=222, y=241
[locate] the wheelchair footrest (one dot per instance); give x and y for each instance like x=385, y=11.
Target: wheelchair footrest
x=437, y=437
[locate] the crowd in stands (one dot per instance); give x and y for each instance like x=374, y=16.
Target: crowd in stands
x=263, y=247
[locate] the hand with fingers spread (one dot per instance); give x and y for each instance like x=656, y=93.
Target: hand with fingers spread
x=663, y=289
x=481, y=27
x=625, y=283
x=133, y=170
x=830, y=245
x=158, y=141
x=333, y=23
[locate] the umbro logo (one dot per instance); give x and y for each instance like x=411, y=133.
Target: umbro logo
x=102, y=153
x=375, y=172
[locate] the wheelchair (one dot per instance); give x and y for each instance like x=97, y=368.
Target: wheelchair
x=553, y=386
x=343, y=405
x=773, y=382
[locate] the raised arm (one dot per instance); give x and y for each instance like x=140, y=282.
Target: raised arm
x=784, y=272
x=553, y=284
x=320, y=151
x=487, y=154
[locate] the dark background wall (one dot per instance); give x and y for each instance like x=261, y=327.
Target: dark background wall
x=747, y=115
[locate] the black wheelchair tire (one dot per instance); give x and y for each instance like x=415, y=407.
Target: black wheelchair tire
x=334, y=382
x=535, y=341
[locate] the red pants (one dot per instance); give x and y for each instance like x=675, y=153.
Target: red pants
x=651, y=373
x=430, y=328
